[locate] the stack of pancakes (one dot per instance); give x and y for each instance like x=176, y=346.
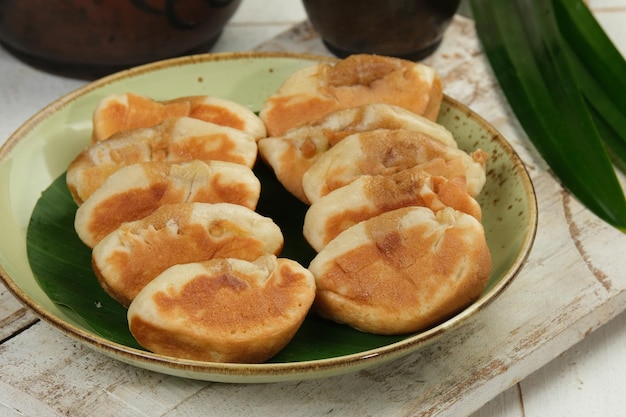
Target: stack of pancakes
x=167, y=199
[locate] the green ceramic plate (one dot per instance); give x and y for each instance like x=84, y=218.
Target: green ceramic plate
x=45, y=265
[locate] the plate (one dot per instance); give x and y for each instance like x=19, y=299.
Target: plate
x=35, y=157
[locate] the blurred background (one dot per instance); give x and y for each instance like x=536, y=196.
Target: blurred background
x=241, y=32
x=89, y=39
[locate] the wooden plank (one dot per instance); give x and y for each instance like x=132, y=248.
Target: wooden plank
x=507, y=404
x=45, y=366
x=13, y=315
x=583, y=379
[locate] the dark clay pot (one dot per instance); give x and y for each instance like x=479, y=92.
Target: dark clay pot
x=89, y=38
x=410, y=29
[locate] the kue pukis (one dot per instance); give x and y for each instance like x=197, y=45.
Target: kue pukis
x=385, y=152
x=402, y=271
x=128, y=111
x=371, y=195
x=137, y=190
x=175, y=140
x=316, y=90
x=291, y=154
x=223, y=310
x=136, y=252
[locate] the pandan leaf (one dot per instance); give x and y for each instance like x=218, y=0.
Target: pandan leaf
x=541, y=81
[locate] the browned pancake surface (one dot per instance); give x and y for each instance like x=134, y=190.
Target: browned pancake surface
x=223, y=310
x=132, y=111
x=175, y=140
x=402, y=271
x=369, y=196
x=292, y=154
x=386, y=152
x=135, y=253
x=137, y=190
x=354, y=81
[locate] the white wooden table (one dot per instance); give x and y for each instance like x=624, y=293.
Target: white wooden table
x=523, y=356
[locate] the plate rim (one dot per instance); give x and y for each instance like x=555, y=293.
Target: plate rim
x=264, y=372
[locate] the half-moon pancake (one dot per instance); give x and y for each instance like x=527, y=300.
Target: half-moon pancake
x=128, y=111
x=403, y=271
x=293, y=153
x=384, y=152
x=223, y=310
x=371, y=195
x=136, y=252
x=175, y=140
x=314, y=91
x=137, y=190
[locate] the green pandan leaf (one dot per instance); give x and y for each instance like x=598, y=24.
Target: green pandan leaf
x=531, y=59
x=599, y=70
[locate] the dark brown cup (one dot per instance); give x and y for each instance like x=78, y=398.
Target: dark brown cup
x=410, y=29
x=93, y=38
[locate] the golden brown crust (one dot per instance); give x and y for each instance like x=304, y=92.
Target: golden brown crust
x=129, y=111
x=361, y=79
x=402, y=271
x=292, y=154
x=137, y=190
x=315, y=91
x=175, y=140
x=132, y=255
x=385, y=152
x=371, y=195
x=223, y=310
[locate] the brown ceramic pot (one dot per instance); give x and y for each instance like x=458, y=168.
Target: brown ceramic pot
x=411, y=29
x=95, y=37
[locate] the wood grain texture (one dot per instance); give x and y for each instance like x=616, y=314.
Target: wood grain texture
x=14, y=317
